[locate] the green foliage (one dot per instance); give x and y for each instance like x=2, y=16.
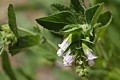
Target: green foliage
x=24, y=42
x=105, y=19
x=12, y=20
x=73, y=28
x=89, y=23
x=57, y=21
x=1, y=43
x=70, y=25
x=92, y=14
x=59, y=7
x=7, y=66
x=78, y=6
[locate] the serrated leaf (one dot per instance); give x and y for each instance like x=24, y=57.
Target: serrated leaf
x=7, y=67
x=105, y=19
x=59, y=7
x=57, y=21
x=92, y=14
x=78, y=6
x=24, y=42
x=12, y=20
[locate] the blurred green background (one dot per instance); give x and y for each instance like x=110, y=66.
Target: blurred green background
x=41, y=62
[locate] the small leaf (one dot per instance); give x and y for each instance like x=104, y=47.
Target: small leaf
x=7, y=67
x=24, y=42
x=73, y=28
x=57, y=21
x=97, y=14
x=78, y=6
x=12, y=20
x=93, y=13
x=59, y=7
x=105, y=19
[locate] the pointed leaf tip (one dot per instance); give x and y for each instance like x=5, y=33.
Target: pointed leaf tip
x=12, y=20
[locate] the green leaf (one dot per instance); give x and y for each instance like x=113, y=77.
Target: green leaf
x=92, y=14
x=7, y=67
x=1, y=43
x=12, y=20
x=24, y=42
x=105, y=19
x=73, y=28
x=59, y=7
x=78, y=6
x=28, y=77
x=57, y=21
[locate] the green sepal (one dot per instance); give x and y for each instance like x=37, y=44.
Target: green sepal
x=85, y=47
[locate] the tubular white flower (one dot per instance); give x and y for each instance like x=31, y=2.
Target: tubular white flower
x=64, y=45
x=90, y=55
x=68, y=60
x=60, y=52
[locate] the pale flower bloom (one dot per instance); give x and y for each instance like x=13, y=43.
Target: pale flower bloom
x=60, y=52
x=68, y=60
x=64, y=45
x=91, y=62
x=90, y=57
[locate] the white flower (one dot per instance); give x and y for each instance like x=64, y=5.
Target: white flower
x=91, y=62
x=68, y=60
x=64, y=45
x=90, y=57
x=60, y=52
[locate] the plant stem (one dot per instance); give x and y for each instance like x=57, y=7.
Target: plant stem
x=52, y=45
x=27, y=31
